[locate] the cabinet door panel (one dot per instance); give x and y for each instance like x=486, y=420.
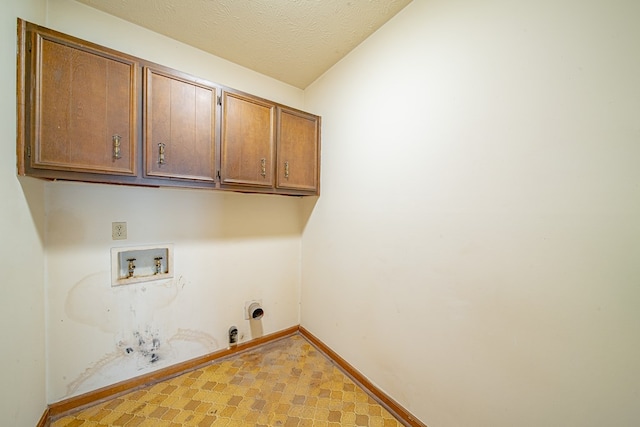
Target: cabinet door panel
x=85, y=110
x=248, y=134
x=298, y=147
x=180, y=127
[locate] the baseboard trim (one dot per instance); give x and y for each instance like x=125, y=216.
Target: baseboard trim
x=59, y=409
x=64, y=407
x=391, y=405
x=44, y=419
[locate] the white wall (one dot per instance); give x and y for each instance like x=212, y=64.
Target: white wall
x=475, y=249
x=22, y=354
x=229, y=248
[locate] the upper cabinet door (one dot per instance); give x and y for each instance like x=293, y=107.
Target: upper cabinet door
x=89, y=113
x=247, y=145
x=179, y=126
x=298, y=150
x=84, y=108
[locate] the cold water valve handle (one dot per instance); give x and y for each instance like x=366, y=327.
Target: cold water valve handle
x=132, y=266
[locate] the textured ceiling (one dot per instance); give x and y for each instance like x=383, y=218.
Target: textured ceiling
x=294, y=41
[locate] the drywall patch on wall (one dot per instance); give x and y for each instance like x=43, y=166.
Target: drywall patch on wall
x=130, y=314
x=127, y=313
x=140, y=351
x=145, y=344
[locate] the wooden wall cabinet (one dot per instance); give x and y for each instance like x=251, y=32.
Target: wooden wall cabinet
x=83, y=110
x=248, y=140
x=180, y=126
x=89, y=113
x=252, y=129
x=298, y=150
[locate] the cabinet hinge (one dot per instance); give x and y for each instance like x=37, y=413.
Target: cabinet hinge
x=28, y=151
x=29, y=45
x=218, y=175
x=219, y=100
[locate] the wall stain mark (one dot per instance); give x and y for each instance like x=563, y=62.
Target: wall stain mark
x=143, y=350
x=109, y=358
x=206, y=340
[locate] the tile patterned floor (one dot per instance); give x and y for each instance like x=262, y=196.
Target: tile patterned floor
x=284, y=383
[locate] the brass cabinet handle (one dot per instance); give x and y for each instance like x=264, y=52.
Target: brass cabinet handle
x=263, y=167
x=286, y=170
x=161, y=153
x=116, y=146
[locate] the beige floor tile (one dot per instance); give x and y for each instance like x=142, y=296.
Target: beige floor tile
x=284, y=383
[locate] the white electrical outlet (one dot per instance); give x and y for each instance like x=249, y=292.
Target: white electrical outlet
x=118, y=230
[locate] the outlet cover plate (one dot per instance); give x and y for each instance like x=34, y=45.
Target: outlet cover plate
x=118, y=230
